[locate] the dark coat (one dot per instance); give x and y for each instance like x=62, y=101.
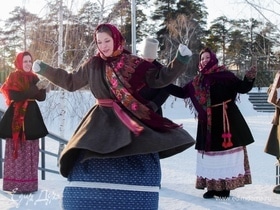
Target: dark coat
x=101, y=133
x=220, y=91
x=241, y=134
x=33, y=122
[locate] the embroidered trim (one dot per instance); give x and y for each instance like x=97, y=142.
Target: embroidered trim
x=225, y=152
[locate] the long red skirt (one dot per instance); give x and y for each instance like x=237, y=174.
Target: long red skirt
x=21, y=174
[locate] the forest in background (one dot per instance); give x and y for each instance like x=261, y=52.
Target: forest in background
x=63, y=38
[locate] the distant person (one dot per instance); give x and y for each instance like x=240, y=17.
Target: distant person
x=22, y=125
x=222, y=132
x=112, y=160
x=155, y=96
x=272, y=146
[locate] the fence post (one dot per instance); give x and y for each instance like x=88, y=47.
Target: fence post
x=1, y=153
x=43, y=159
x=1, y=159
x=277, y=187
x=277, y=173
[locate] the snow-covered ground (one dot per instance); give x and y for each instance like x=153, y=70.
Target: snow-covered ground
x=178, y=172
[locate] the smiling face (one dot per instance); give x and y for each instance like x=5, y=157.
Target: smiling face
x=105, y=43
x=205, y=58
x=27, y=63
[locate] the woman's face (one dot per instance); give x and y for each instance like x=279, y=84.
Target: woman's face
x=204, y=59
x=105, y=43
x=27, y=63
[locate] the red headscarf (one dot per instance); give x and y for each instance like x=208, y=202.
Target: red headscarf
x=119, y=40
x=18, y=80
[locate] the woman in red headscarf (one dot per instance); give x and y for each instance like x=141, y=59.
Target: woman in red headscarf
x=222, y=132
x=22, y=125
x=112, y=160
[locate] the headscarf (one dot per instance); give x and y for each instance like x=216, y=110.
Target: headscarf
x=18, y=80
x=206, y=77
x=125, y=74
x=119, y=40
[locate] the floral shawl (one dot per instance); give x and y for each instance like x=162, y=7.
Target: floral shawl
x=125, y=74
x=19, y=80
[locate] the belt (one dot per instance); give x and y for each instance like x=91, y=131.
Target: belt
x=125, y=118
x=226, y=135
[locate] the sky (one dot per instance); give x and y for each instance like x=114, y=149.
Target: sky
x=36, y=6
x=262, y=10
x=234, y=9
x=178, y=172
x=33, y=6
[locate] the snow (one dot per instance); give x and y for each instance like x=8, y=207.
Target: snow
x=178, y=172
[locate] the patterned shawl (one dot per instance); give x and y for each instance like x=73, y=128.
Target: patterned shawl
x=125, y=74
x=19, y=80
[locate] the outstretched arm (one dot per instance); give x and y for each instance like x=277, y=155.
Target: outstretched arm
x=247, y=84
x=161, y=77
x=175, y=91
x=159, y=99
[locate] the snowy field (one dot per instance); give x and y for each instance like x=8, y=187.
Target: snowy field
x=178, y=172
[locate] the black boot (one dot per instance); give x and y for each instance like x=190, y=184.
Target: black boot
x=223, y=194
x=209, y=194
x=277, y=189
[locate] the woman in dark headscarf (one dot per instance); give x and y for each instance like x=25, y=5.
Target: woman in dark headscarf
x=112, y=160
x=22, y=125
x=222, y=132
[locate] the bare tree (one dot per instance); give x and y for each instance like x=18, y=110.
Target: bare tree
x=182, y=30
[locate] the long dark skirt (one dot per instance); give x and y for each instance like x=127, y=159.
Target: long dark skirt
x=21, y=174
x=116, y=183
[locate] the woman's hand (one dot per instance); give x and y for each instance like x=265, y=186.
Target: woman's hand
x=183, y=54
x=42, y=84
x=251, y=74
x=184, y=50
